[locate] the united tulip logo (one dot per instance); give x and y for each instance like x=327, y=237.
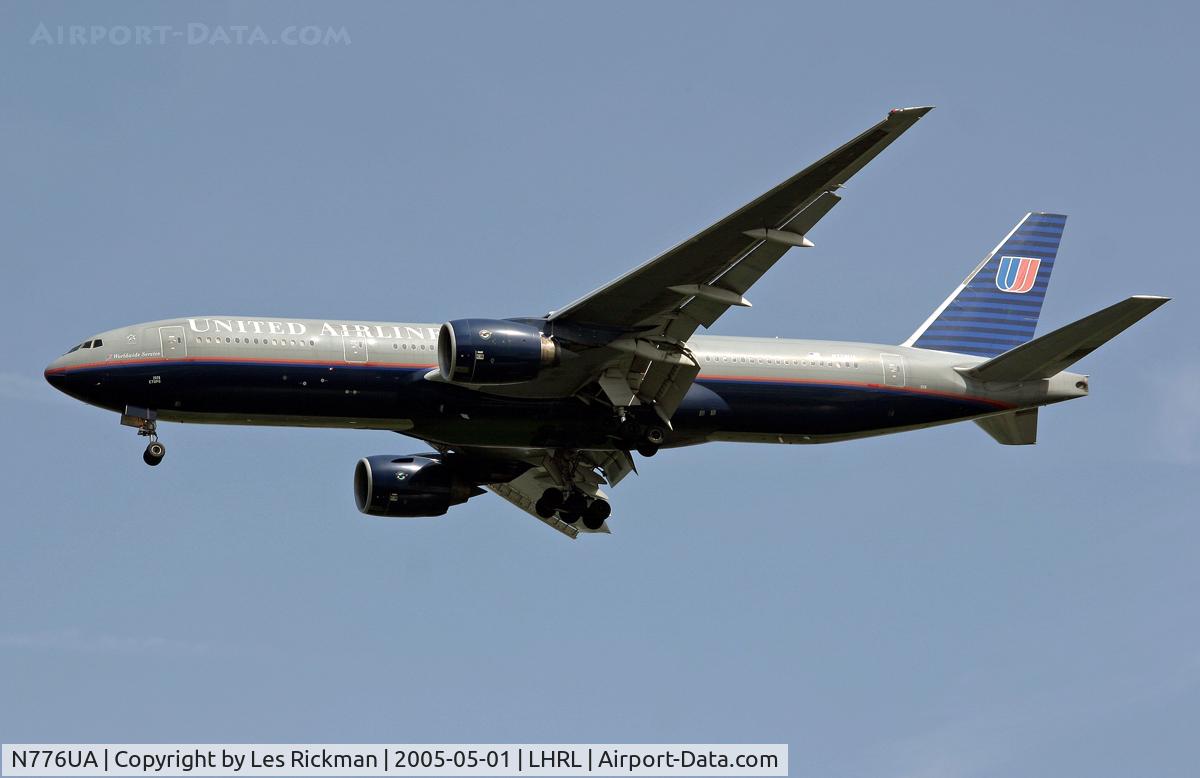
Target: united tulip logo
x=1017, y=274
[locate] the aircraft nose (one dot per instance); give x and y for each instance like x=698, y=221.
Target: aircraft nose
x=54, y=374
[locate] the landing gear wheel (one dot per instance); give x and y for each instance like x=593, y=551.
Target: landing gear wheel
x=647, y=450
x=596, y=513
x=154, y=453
x=655, y=436
x=575, y=503
x=550, y=501
x=569, y=517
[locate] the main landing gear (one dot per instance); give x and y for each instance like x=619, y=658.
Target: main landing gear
x=572, y=507
x=642, y=438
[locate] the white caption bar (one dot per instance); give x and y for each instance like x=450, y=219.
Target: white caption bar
x=192, y=759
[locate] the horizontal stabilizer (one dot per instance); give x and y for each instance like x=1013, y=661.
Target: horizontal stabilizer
x=1017, y=428
x=1053, y=353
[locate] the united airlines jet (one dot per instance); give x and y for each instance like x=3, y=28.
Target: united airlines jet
x=546, y=410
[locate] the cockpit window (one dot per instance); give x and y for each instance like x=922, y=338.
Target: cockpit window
x=97, y=343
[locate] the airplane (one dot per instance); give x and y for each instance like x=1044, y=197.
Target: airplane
x=545, y=410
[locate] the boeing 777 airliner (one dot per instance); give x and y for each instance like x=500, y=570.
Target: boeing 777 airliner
x=545, y=410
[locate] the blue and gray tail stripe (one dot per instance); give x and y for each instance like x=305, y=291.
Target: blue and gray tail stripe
x=997, y=307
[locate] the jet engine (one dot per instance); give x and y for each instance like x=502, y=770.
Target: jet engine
x=409, y=486
x=491, y=351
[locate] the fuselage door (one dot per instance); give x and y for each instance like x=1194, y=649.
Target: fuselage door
x=174, y=344
x=355, y=349
x=893, y=369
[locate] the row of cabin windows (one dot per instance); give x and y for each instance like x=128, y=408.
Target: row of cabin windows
x=780, y=362
x=284, y=342
x=257, y=341
x=97, y=343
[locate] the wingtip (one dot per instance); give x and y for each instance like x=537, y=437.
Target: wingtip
x=916, y=112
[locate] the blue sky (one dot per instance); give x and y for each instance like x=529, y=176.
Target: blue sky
x=928, y=604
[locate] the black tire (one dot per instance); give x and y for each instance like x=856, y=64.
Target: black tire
x=596, y=513
x=569, y=517
x=647, y=450
x=655, y=436
x=553, y=498
x=544, y=509
x=575, y=503
x=150, y=458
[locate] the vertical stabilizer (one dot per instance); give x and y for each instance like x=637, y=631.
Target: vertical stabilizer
x=997, y=307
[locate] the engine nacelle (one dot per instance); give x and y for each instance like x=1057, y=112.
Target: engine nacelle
x=491, y=351
x=409, y=486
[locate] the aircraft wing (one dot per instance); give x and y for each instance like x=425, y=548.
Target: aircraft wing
x=774, y=219
x=650, y=312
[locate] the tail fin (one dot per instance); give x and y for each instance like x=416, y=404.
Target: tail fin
x=1054, y=352
x=997, y=307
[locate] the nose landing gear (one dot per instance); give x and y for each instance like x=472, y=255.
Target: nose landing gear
x=144, y=420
